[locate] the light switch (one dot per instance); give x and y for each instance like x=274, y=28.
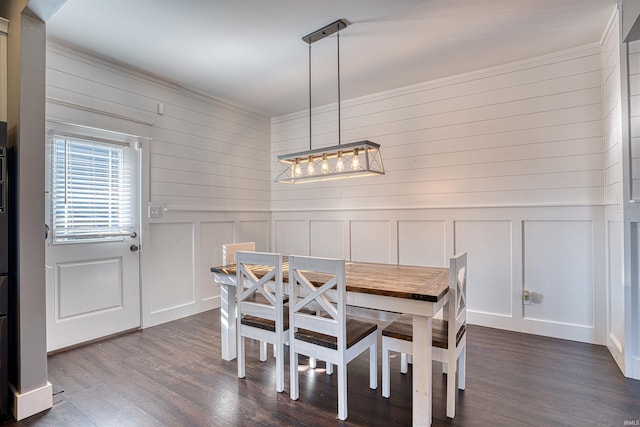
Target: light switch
x=155, y=211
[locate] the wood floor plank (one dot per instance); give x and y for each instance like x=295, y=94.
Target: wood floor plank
x=173, y=375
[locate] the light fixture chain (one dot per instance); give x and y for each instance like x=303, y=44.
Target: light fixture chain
x=339, y=121
x=310, y=97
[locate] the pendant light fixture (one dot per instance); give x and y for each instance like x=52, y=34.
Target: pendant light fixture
x=349, y=160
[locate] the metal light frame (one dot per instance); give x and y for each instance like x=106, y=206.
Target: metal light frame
x=362, y=158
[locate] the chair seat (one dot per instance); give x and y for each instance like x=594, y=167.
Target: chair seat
x=402, y=329
x=356, y=332
x=260, y=299
x=266, y=324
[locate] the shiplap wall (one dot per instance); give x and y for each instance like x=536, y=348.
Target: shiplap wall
x=634, y=113
x=612, y=125
x=505, y=163
x=205, y=163
x=526, y=133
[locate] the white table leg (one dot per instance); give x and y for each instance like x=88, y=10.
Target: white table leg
x=228, y=321
x=422, y=397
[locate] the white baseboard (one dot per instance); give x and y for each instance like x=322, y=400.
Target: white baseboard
x=616, y=351
x=178, y=312
x=32, y=402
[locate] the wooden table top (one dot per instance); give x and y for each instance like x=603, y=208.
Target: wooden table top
x=399, y=281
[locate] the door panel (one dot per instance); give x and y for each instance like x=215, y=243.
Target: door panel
x=78, y=296
x=94, y=295
x=93, y=287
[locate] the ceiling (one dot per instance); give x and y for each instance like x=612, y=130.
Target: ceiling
x=250, y=52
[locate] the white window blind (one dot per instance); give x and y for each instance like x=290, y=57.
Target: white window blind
x=91, y=190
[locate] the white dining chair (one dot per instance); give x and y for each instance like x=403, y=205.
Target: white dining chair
x=230, y=249
x=449, y=343
x=320, y=283
x=229, y=254
x=265, y=319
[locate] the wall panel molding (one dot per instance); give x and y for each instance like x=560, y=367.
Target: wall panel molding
x=489, y=264
x=558, y=259
x=178, y=255
x=495, y=239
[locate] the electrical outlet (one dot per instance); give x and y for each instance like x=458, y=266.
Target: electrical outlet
x=155, y=211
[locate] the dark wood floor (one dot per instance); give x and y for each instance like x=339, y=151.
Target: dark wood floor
x=172, y=375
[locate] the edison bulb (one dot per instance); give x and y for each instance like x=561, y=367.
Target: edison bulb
x=340, y=163
x=298, y=170
x=355, y=164
x=310, y=170
x=325, y=164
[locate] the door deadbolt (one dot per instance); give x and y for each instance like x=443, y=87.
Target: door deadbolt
x=134, y=248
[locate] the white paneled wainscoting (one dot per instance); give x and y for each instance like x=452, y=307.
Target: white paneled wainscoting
x=554, y=252
x=182, y=248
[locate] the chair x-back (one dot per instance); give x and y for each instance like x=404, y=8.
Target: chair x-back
x=261, y=311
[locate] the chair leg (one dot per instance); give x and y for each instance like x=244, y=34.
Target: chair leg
x=280, y=369
x=403, y=363
x=263, y=351
x=312, y=362
x=373, y=366
x=451, y=389
x=386, y=378
x=342, y=392
x=329, y=368
x=445, y=368
x=462, y=367
x=240, y=357
x=293, y=373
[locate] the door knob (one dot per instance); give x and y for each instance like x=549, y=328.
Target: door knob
x=134, y=248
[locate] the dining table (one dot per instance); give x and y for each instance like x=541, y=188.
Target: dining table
x=415, y=290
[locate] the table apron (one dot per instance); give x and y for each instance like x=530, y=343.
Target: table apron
x=396, y=305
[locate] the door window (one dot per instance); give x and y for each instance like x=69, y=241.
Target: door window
x=92, y=194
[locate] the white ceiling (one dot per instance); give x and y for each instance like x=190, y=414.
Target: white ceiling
x=250, y=52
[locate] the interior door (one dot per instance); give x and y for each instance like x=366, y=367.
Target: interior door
x=92, y=241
